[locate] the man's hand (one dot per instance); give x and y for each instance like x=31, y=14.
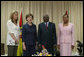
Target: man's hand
x=58, y=46
x=54, y=46
x=39, y=46
x=36, y=45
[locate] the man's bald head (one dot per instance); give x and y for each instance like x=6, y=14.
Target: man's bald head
x=46, y=18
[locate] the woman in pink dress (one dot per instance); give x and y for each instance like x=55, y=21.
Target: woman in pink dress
x=65, y=39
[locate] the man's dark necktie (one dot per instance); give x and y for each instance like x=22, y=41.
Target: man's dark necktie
x=46, y=26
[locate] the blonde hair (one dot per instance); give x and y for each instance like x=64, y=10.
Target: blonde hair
x=11, y=16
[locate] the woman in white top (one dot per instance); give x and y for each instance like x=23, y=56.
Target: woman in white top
x=13, y=33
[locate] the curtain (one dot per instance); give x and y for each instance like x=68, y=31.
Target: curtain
x=55, y=10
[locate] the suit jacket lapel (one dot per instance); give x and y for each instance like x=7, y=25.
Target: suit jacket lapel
x=44, y=26
x=49, y=26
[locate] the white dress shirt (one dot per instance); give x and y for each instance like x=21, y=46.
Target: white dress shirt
x=47, y=23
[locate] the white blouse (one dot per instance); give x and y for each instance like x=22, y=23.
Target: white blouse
x=12, y=28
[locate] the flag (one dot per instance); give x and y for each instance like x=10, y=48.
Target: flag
x=19, y=50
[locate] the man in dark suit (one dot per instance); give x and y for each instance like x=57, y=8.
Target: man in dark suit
x=47, y=34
